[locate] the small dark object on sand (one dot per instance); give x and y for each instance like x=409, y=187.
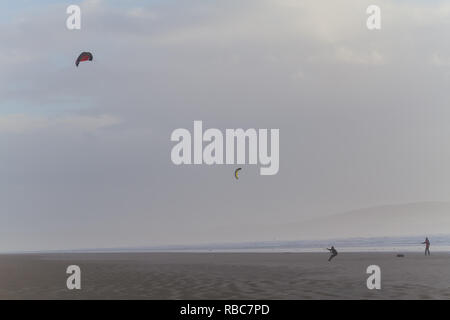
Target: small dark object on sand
x=400, y=256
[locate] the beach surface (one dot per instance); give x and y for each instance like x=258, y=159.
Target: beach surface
x=224, y=276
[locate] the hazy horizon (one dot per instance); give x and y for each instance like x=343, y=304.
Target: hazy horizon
x=410, y=242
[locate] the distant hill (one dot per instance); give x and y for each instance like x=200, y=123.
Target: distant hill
x=382, y=226
x=423, y=218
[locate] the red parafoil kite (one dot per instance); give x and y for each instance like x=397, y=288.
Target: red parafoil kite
x=84, y=56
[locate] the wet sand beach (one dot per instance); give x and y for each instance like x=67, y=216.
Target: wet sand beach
x=224, y=276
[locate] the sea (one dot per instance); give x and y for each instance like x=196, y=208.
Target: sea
x=439, y=243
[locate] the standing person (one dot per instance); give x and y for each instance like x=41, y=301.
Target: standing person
x=427, y=246
x=333, y=251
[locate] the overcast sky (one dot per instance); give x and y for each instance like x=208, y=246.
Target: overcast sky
x=364, y=116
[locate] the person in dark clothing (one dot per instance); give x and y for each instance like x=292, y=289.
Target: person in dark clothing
x=427, y=246
x=333, y=251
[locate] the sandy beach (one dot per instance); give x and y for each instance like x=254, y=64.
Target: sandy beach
x=224, y=276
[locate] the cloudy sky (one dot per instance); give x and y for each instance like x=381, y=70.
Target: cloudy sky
x=85, y=152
